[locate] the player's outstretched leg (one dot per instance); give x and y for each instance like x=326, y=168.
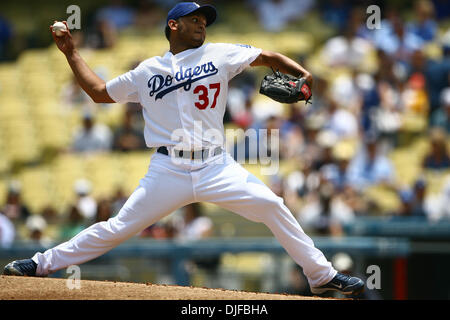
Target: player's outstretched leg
x=160, y=192
x=232, y=187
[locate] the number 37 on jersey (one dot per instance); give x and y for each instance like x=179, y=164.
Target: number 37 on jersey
x=205, y=94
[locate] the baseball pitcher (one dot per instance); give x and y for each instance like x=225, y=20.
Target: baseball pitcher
x=186, y=86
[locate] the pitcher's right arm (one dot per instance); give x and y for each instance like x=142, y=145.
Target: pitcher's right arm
x=92, y=84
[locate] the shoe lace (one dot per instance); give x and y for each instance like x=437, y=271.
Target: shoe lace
x=27, y=266
x=341, y=277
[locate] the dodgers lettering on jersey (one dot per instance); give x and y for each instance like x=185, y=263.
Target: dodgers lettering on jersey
x=184, y=93
x=189, y=75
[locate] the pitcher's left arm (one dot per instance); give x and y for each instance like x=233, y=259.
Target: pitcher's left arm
x=282, y=63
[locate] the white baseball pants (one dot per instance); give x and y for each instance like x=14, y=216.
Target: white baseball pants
x=168, y=186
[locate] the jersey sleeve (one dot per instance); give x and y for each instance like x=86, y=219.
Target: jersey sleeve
x=123, y=88
x=239, y=57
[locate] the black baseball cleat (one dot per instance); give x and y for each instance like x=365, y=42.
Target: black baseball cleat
x=342, y=283
x=26, y=267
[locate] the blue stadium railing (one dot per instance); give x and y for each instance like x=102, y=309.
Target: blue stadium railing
x=408, y=227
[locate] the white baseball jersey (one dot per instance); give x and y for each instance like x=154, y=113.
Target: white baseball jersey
x=184, y=90
x=177, y=92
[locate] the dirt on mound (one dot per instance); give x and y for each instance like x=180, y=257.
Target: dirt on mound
x=28, y=288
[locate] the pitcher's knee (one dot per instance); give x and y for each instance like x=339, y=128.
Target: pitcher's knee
x=113, y=231
x=270, y=206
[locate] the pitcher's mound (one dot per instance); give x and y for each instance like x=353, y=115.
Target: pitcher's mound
x=28, y=288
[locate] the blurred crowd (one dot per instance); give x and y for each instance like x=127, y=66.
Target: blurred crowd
x=18, y=223
x=375, y=91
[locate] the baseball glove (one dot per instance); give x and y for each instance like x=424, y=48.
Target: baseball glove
x=285, y=88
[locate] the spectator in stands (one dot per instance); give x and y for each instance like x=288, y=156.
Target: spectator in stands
x=73, y=225
x=359, y=18
x=148, y=15
x=414, y=202
x=419, y=206
x=274, y=15
x=326, y=139
x=194, y=225
x=337, y=172
x=266, y=148
x=420, y=81
x=396, y=40
x=340, y=120
x=291, y=133
x=387, y=70
x=295, y=118
x=103, y=210
x=437, y=73
x=257, y=143
x=312, y=180
x=347, y=49
x=441, y=117
x=7, y=232
x=102, y=36
x=14, y=207
x=336, y=12
x=370, y=100
x=50, y=214
x=92, y=136
x=325, y=213
x=37, y=226
x=73, y=96
x=321, y=99
x=294, y=188
x=438, y=156
x=370, y=166
x=438, y=206
x=163, y=229
x=126, y=137
x=117, y=14
x=405, y=196
x=424, y=25
x=387, y=117
x=85, y=203
x=414, y=100
x=310, y=151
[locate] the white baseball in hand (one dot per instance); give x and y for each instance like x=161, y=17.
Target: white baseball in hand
x=58, y=28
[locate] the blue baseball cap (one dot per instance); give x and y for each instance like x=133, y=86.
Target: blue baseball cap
x=184, y=8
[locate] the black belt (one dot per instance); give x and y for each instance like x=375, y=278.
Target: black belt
x=193, y=155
